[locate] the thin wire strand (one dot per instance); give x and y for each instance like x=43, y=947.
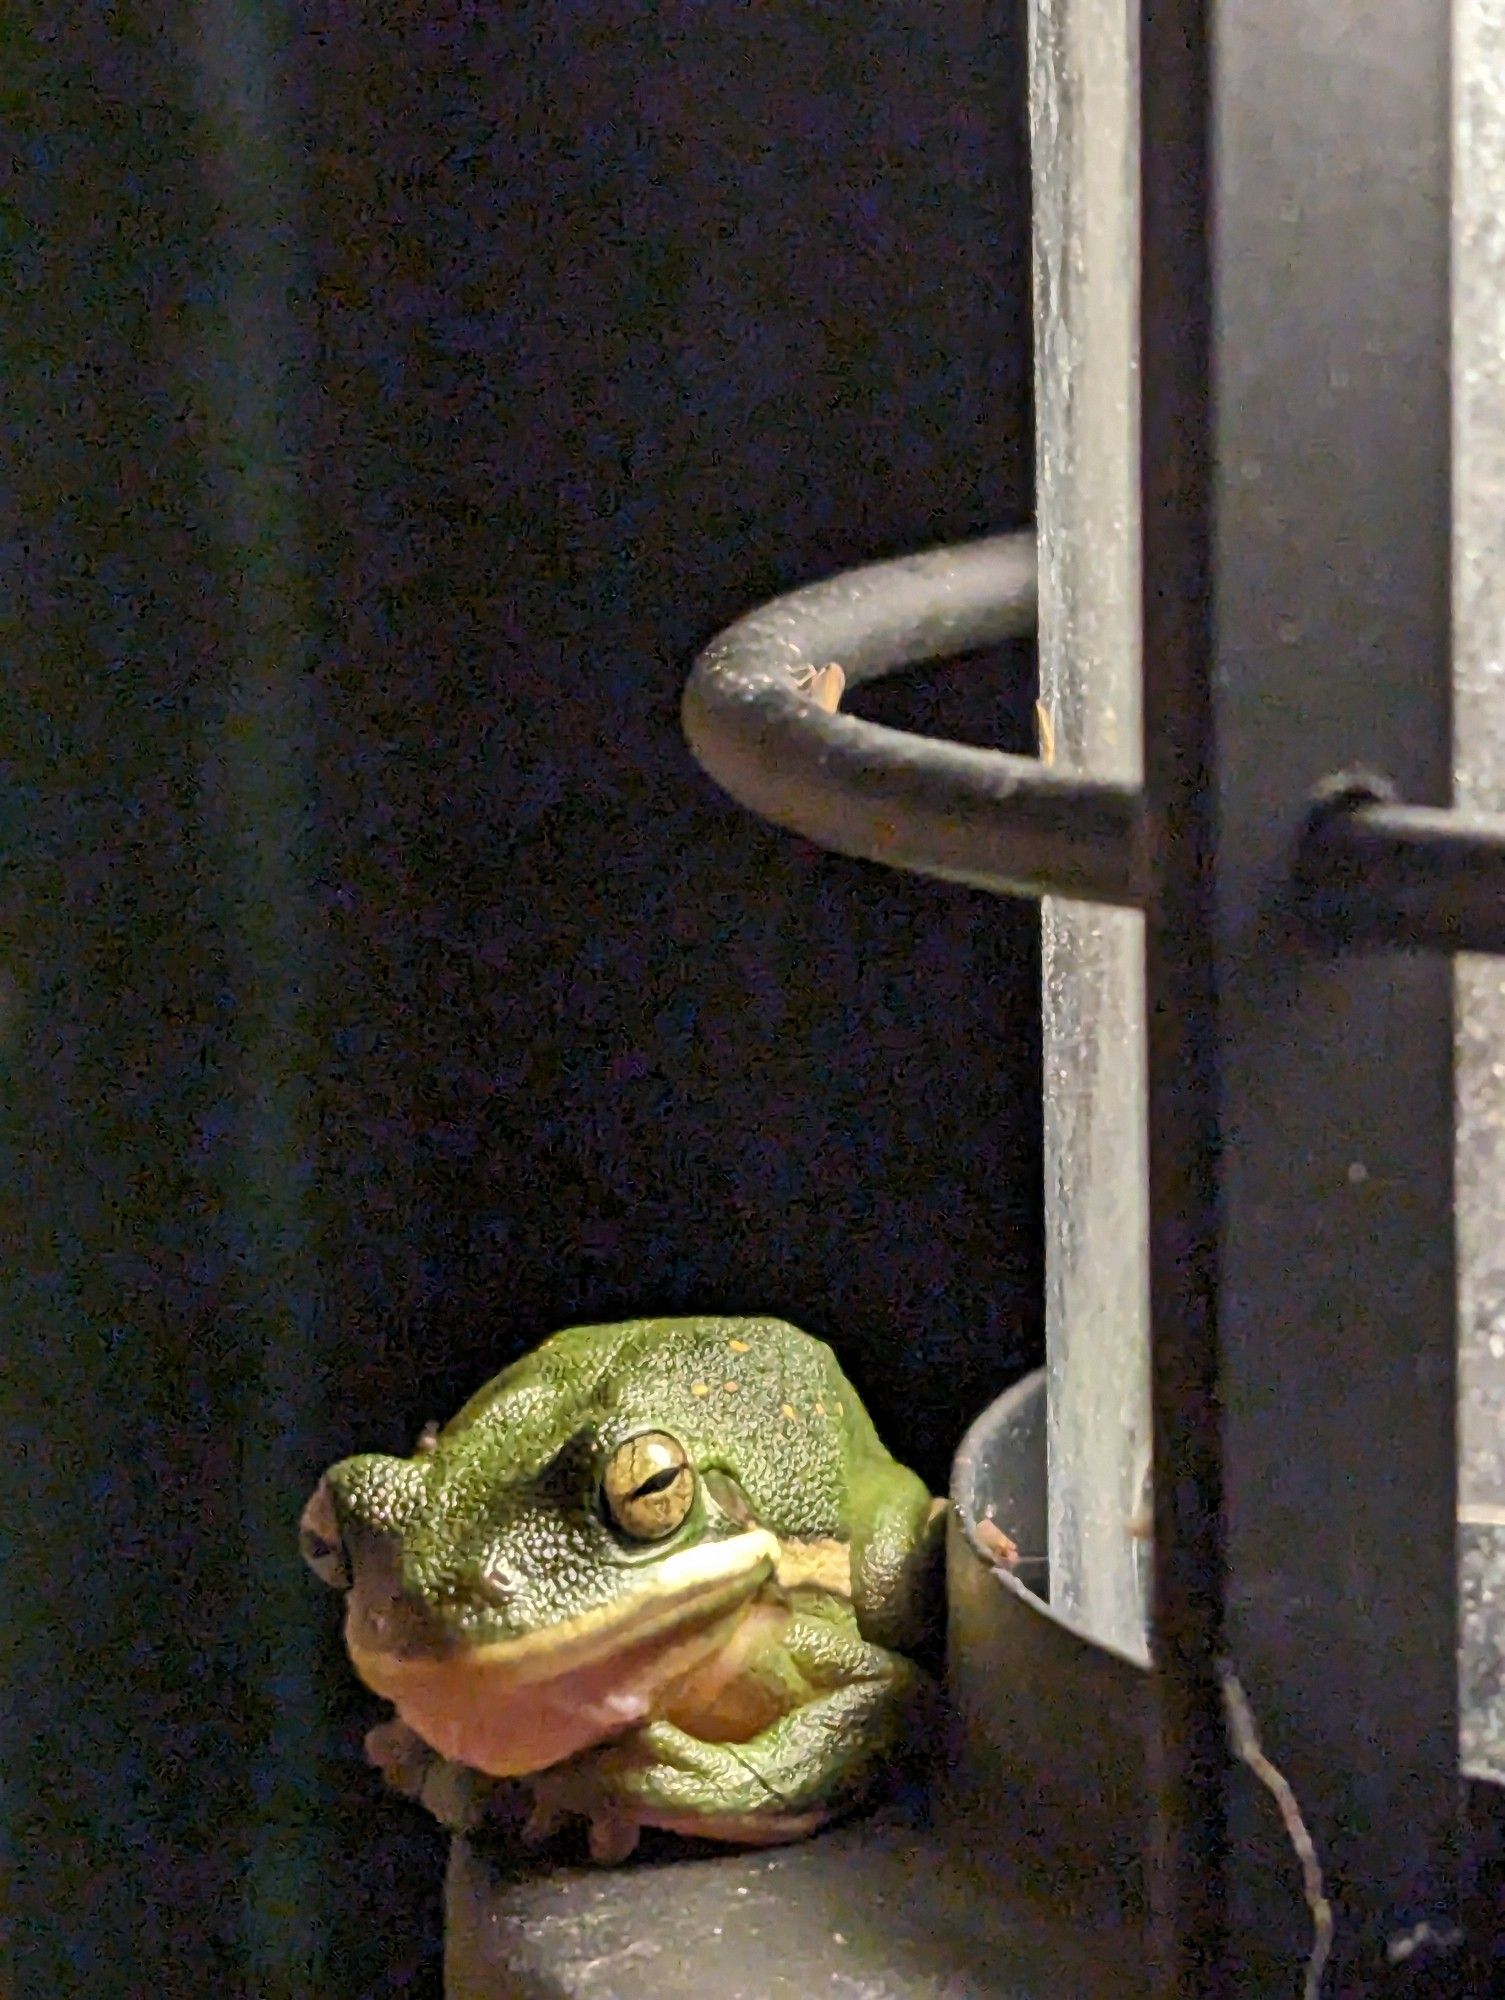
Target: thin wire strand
x=1244, y=1736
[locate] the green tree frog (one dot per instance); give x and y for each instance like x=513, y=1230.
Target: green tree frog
x=663, y=1572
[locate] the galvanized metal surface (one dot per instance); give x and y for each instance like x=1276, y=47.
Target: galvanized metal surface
x=1481, y=1582
x=1479, y=781
x=1084, y=157
x=873, y=1911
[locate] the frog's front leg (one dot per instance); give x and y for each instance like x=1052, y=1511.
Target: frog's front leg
x=819, y=1759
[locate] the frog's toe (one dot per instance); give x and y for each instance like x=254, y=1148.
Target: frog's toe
x=613, y=1837
x=547, y=1816
x=460, y=1800
x=400, y=1754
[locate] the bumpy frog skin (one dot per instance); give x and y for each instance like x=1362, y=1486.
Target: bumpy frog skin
x=664, y=1572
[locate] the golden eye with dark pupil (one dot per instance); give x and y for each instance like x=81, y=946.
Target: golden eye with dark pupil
x=649, y=1486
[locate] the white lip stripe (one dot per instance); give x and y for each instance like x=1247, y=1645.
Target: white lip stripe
x=705, y=1571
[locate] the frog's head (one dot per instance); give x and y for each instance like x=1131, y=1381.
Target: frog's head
x=536, y=1575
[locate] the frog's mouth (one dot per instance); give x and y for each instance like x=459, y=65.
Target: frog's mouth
x=512, y=1706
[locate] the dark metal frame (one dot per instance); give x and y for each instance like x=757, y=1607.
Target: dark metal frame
x=1296, y=564
x=1297, y=541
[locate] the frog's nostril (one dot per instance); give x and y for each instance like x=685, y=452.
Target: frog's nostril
x=320, y=1542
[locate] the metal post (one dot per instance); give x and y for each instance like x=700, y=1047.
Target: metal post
x=1296, y=428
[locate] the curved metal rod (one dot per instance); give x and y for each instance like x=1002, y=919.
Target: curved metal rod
x=753, y=720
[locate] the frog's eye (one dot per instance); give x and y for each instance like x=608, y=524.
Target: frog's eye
x=649, y=1486
x=319, y=1539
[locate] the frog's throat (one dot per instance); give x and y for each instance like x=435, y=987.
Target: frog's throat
x=698, y=1585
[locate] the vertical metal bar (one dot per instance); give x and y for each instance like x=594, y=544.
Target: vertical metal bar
x=1175, y=502
x=1084, y=126
x=1311, y=1094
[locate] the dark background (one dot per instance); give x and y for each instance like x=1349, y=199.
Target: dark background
x=397, y=401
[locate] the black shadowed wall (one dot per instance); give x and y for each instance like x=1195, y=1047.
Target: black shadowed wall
x=403, y=396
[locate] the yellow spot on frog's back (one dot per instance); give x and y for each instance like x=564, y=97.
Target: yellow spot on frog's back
x=788, y=1410
x=700, y=1388
x=820, y=1409
x=738, y=1346
x=730, y=1388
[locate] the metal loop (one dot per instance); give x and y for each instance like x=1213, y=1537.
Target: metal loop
x=1370, y=871
x=935, y=808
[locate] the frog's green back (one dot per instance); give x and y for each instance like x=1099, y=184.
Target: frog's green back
x=753, y=1397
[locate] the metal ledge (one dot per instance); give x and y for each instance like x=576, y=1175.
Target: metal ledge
x=881, y=1909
